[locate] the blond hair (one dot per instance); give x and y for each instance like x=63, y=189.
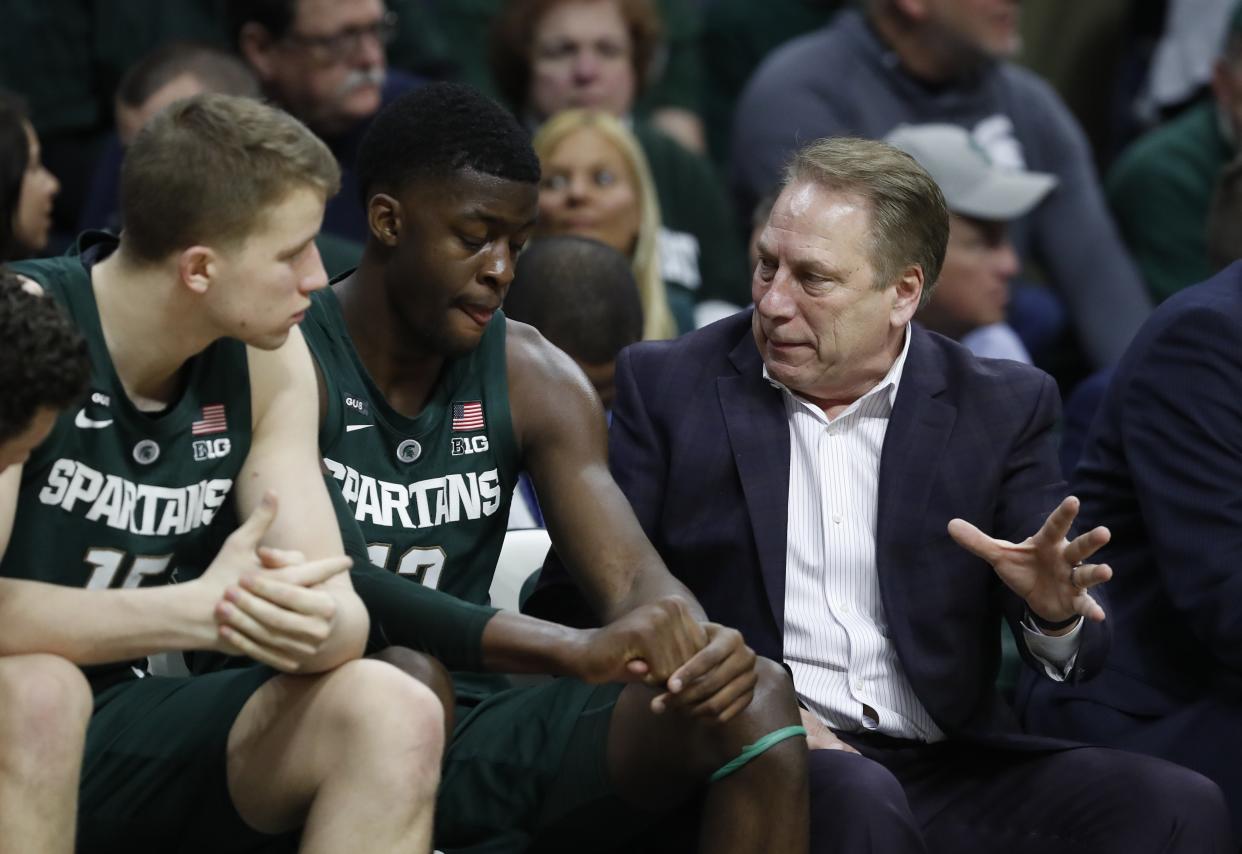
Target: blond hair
x=206, y=169
x=658, y=322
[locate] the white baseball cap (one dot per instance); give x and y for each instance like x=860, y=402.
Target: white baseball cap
x=971, y=183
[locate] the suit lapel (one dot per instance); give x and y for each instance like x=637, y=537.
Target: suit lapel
x=912, y=458
x=754, y=416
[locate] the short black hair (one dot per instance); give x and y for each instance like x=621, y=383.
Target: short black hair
x=45, y=361
x=216, y=70
x=14, y=158
x=436, y=131
x=580, y=294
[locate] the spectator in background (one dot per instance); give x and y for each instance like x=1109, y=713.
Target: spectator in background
x=1161, y=468
x=902, y=61
x=737, y=36
x=27, y=189
x=580, y=294
x=176, y=70
x=671, y=99
x=1161, y=187
x=972, y=293
x=595, y=183
x=551, y=55
x=323, y=61
x=169, y=73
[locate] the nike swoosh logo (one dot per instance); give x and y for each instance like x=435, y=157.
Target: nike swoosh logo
x=349, y=428
x=80, y=420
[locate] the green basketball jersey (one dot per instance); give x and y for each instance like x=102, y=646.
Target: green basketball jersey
x=120, y=498
x=431, y=493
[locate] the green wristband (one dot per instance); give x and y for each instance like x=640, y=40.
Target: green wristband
x=750, y=751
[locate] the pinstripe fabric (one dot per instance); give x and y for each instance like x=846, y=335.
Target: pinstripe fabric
x=837, y=644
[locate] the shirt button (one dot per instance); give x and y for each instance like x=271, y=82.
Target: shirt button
x=857, y=685
x=836, y=518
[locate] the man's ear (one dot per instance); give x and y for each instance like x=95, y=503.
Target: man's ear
x=906, y=295
x=197, y=268
x=384, y=217
x=256, y=44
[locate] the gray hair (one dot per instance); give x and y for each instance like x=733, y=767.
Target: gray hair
x=909, y=218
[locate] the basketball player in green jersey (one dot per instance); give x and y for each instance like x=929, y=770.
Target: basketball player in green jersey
x=45, y=702
x=202, y=409
x=431, y=404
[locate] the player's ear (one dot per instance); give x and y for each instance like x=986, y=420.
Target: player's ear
x=384, y=218
x=196, y=267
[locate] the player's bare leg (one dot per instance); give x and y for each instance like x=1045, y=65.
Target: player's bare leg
x=353, y=756
x=45, y=705
x=659, y=761
x=430, y=672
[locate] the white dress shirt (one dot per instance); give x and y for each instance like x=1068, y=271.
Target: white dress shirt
x=837, y=642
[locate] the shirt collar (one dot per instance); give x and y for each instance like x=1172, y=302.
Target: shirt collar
x=885, y=389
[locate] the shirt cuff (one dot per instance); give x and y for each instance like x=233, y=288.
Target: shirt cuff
x=1057, y=653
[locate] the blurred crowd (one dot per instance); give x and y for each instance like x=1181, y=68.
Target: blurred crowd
x=663, y=125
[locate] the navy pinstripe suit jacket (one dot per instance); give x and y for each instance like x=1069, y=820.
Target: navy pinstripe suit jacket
x=700, y=445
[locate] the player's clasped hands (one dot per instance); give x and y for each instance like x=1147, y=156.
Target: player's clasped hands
x=706, y=670
x=267, y=606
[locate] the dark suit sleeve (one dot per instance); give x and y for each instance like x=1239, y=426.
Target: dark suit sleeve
x=636, y=451
x=1181, y=427
x=1032, y=488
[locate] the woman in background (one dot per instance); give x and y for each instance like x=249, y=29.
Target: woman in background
x=26, y=187
x=596, y=183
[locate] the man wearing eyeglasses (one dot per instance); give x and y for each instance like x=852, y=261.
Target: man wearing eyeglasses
x=324, y=62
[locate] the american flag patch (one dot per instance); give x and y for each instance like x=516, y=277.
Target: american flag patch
x=468, y=416
x=213, y=421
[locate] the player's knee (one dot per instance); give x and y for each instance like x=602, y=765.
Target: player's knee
x=45, y=705
x=775, y=704
x=424, y=668
x=378, y=709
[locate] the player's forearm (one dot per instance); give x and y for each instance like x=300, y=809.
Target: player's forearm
x=516, y=643
x=349, y=635
x=405, y=613
x=650, y=584
x=102, y=626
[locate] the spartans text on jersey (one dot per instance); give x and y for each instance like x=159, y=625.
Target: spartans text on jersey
x=139, y=508
x=433, y=501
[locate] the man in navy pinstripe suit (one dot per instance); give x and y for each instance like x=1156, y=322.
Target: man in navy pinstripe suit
x=1163, y=469
x=806, y=467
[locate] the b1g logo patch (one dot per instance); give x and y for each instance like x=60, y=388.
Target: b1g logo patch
x=460, y=446
x=211, y=449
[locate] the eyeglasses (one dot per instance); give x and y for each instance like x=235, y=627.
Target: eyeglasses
x=347, y=42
